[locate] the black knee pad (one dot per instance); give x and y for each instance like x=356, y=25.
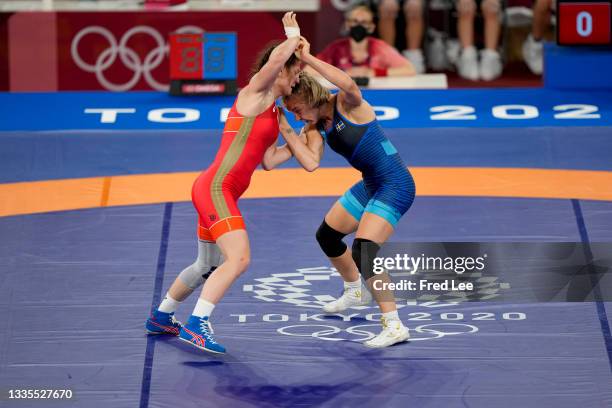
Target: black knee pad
x=364, y=252
x=330, y=240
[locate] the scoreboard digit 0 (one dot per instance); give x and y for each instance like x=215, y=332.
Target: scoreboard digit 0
x=584, y=23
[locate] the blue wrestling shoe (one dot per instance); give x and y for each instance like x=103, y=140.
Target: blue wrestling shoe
x=163, y=323
x=198, y=333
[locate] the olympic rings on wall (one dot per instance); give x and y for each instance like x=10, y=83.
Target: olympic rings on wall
x=141, y=67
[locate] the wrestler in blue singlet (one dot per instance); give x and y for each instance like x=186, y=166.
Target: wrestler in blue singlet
x=387, y=188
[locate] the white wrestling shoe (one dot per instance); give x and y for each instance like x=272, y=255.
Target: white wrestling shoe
x=350, y=297
x=393, y=332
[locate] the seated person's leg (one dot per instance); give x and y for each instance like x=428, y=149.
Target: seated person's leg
x=387, y=14
x=490, y=61
x=468, y=59
x=415, y=26
x=533, y=48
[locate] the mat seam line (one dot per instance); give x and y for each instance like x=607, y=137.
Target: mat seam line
x=106, y=191
x=159, y=280
x=599, y=304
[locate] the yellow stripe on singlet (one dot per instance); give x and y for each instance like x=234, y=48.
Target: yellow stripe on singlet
x=229, y=160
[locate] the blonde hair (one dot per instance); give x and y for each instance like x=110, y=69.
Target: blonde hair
x=309, y=91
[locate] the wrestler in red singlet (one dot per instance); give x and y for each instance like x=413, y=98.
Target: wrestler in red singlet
x=216, y=191
x=223, y=244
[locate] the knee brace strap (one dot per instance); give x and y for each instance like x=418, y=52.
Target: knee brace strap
x=364, y=252
x=209, y=257
x=330, y=240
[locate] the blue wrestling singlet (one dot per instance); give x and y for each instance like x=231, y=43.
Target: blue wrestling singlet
x=387, y=188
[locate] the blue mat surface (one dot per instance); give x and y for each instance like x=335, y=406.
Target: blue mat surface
x=29, y=156
x=76, y=286
x=75, y=318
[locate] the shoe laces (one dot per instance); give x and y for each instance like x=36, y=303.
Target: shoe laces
x=205, y=328
x=352, y=292
x=385, y=324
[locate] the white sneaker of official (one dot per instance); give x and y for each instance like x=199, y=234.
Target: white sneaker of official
x=350, y=297
x=467, y=65
x=490, y=64
x=533, y=55
x=416, y=58
x=393, y=332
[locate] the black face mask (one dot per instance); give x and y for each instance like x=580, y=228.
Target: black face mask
x=358, y=33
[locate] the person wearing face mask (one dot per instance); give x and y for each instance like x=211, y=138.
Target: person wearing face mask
x=361, y=55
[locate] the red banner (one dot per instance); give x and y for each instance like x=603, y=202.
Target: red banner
x=129, y=50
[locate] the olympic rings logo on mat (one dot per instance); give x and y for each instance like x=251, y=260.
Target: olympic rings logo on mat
x=364, y=332
x=296, y=288
x=141, y=67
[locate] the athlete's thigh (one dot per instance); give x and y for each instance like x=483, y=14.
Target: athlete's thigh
x=340, y=219
x=345, y=214
x=381, y=215
x=374, y=227
x=235, y=245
